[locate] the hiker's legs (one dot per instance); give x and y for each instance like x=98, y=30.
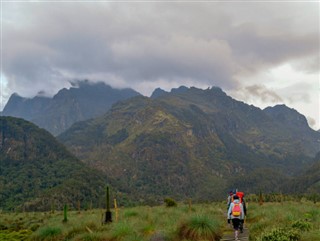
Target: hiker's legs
x=241, y=226
x=236, y=225
x=236, y=234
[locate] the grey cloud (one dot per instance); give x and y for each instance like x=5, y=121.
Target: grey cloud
x=209, y=44
x=262, y=50
x=177, y=57
x=263, y=93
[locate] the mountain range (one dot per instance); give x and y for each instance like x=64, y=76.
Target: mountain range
x=193, y=142
x=84, y=100
x=186, y=143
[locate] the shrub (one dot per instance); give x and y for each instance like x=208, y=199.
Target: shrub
x=170, y=202
x=281, y=234
x=302, y=225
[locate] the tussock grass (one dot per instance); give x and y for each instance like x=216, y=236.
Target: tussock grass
x=200, y=228
x=180, y=223
x=48, y=233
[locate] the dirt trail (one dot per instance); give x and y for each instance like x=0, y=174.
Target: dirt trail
x=229, y=235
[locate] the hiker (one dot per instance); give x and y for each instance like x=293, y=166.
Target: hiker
x=230, y=198
x=236, y=215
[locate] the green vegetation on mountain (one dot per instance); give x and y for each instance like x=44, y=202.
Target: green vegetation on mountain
x=308, y=181
x=187, y=143
x=192, y=143
x=37, y=172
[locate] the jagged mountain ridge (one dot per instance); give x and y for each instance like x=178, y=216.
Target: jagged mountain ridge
x=249, y=124
x=36, y=171
x=191, y=143
x=83, y=101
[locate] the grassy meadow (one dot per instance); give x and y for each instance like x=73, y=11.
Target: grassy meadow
x=199, y=222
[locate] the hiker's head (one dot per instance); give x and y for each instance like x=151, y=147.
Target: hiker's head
x=231, y=193
x=235, y=197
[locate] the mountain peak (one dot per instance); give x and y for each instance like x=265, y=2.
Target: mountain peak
x=19, y=106
x=157, y=93
x=180, y=89
x=287, y=115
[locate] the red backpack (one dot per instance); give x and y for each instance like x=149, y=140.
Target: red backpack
x=240, y=195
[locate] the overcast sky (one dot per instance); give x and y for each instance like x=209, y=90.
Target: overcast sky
x=263, y=53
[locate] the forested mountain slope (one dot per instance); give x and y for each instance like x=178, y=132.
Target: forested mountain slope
x=36, y=171
x=306, y=182
x=192, y=143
